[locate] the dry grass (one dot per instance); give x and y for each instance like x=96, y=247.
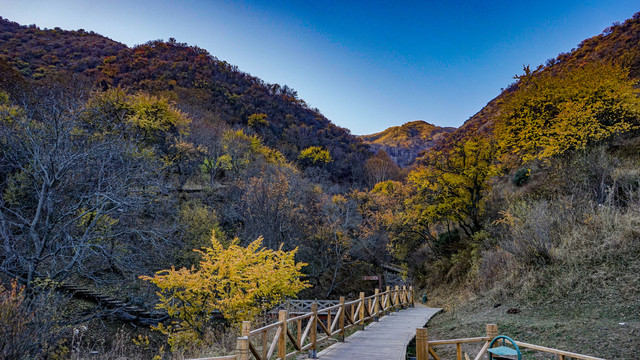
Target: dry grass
x=565, y=253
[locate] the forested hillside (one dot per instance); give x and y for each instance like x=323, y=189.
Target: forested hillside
x=617, y=43
x=200, y=84
x=116, y=163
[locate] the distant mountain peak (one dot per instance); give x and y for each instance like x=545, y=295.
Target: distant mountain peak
x=405, y=142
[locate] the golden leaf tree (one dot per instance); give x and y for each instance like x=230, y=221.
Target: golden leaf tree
x=551, y=113
x=237, y=281
x=448, y=193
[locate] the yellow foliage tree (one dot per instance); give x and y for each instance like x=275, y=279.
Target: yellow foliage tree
x=237, y=281
x=551, y=113
x=314, y=156
x=451, y=186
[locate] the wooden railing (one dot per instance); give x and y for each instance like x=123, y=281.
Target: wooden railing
x=424, y=346
x=299, y=307
x=291, y=335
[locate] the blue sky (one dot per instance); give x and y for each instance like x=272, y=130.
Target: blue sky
x=366, y=65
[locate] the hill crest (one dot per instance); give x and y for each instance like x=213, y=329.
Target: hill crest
x=405, y=142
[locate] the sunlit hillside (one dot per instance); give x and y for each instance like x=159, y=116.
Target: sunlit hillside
x=404, y=143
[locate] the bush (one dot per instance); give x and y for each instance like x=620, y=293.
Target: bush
x=28, y=326
x=521, y=177
x=534, y=227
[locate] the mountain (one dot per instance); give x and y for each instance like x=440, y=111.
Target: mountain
x=616, y=44
x=199, y=84
x=404, y=143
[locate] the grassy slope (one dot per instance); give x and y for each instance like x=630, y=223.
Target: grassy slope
x=585, y=298
x=609, y=332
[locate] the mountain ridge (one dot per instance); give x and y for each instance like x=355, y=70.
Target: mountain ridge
x=195, y=80
x=405, y=142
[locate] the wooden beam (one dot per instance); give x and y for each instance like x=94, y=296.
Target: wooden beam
x=433, y=353
x=306, y=331
x=341, y=318
x=456, y=341
x=254, y=351
x=246, y=328
x=242, y=348
x=272, y=348
x=313, y=336
x=492, y=331
x=361, y=306
x=557, y=352
x=282, y=339
x=326, y=331
x=293, y=340
x=483, y=351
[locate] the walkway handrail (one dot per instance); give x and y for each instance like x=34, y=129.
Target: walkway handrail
x=424, y=346
x=290, y=336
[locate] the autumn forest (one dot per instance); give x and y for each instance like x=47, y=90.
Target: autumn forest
x=181, y=186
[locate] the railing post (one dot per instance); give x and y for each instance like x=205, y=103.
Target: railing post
x=341, y=319
x=389, y=300
x=411, y=300
x=376, y=304
x=265, y=344
x=396, y=293
x=313, y=333
x=242, y=348
x=492, y=331
x=246, y=328
x=422, y=344
x=282, y=340
x=362, y=305
x=405, y=299
x=299, y=332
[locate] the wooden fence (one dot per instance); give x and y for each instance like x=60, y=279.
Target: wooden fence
x=292, y=335
x=424, y=346
x=299, y=307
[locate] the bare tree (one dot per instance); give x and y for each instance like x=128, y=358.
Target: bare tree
x=70, y=194
x=270, y=208
x=381, y=168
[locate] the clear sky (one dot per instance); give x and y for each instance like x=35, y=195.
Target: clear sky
x=366, y=65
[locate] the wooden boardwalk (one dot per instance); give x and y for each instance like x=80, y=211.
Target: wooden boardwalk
x=386, y=339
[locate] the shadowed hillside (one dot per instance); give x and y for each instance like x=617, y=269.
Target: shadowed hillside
x=198, y=82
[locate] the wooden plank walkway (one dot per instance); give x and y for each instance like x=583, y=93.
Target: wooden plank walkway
x=386, y=339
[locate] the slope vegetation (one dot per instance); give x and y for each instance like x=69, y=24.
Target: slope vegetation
x=404, y=143
x=527, y=214
x=198, y=82
x=617, y=43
